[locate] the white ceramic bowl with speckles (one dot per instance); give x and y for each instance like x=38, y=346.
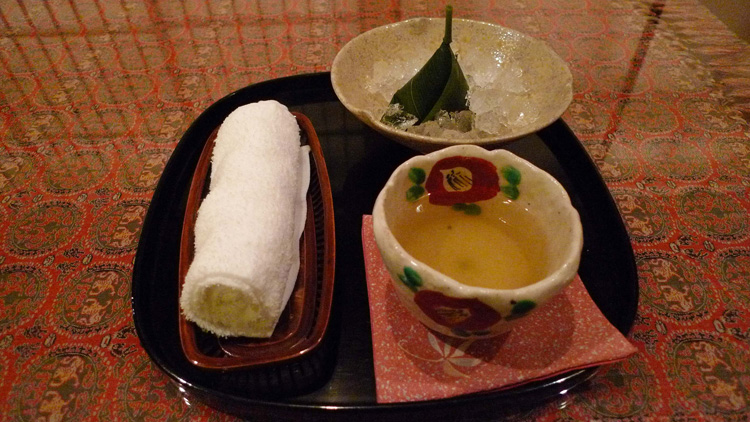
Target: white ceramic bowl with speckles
x=534, y=83
x=501, y=184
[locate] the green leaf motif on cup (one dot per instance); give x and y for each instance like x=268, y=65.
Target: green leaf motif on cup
x=415, y=192
x=468, y=209
x=521, y=308
x=513, y=176
x=411, y=279
x=510, y=191
x=417, y=176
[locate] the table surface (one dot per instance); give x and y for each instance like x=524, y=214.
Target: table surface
x=94, y=96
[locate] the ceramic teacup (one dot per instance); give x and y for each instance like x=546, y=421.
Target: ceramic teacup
x=475, y=240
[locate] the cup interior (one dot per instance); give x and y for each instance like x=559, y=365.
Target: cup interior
x=536, y=214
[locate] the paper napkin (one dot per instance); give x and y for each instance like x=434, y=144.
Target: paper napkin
x=413, y=363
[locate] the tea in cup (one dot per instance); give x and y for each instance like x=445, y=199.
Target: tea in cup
x=475, y=240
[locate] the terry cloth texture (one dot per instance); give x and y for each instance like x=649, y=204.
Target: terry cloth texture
x=248, y=227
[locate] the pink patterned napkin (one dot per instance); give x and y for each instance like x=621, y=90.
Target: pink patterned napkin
x=414, y=363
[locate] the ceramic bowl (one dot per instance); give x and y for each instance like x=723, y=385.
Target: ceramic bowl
x=529, y=81
x=463, y=182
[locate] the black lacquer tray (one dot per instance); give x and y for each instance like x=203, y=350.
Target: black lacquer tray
x=359, y=163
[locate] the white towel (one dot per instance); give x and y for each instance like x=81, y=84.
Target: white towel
x=248, y=227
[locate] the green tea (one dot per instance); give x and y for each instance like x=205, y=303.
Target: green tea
x=500, y=251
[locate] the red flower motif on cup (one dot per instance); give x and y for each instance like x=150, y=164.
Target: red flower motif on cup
x=456, y=180
x=463, y=315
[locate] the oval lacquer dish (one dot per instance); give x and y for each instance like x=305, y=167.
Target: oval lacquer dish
x=303, y=323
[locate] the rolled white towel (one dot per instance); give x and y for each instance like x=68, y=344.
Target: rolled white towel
x=248, y=227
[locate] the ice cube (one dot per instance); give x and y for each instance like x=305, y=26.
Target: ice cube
x=396, y=116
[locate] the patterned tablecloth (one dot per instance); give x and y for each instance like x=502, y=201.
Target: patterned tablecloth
x=95, y=94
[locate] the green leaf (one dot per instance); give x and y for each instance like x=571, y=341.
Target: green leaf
x=454, y=95
x=411, y=279
x=468, y=209
x=472, y=209
x=511, y=191
x=511, y=174
x=414, y=278
x=438, y=85
x=407, y=283
x=521, y=308
x=417, y=175
x=415, y=192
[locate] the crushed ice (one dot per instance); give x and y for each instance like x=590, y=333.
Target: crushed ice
x=500, y=96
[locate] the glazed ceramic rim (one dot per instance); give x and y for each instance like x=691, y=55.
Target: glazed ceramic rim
x=553, y=282
x=394, y=133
